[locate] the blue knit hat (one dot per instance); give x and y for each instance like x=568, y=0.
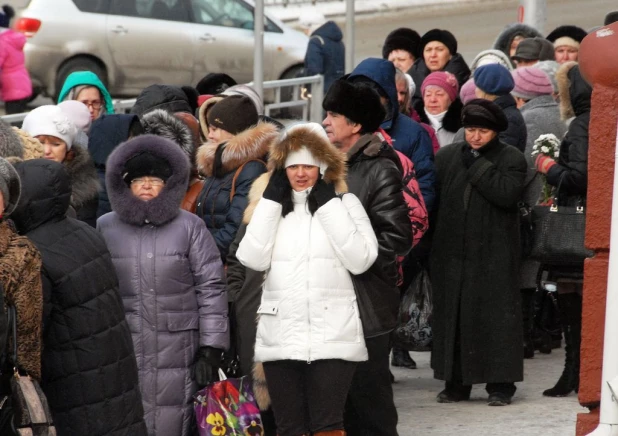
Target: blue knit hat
x=494, y=79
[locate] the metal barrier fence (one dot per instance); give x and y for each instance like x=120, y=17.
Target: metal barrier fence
x=294, y=92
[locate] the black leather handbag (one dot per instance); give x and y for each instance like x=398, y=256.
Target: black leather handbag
x=559, y=234
x=23, y=405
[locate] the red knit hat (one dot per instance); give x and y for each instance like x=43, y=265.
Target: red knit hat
x=444, y=80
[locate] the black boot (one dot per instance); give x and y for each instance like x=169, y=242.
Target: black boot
x=527, y=308
x=402, y=358
x=570, y=310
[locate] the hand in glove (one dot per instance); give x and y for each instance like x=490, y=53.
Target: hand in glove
x=206, y=366
x=321, y=193
x=543, y=163
x=469, y=156
x=278, y=186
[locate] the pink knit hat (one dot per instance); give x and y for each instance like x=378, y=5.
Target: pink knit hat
x=444, y=80
x=531, y=82
x=468, y=91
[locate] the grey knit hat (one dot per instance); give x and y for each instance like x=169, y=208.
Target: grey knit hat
x=10, y=144
x=550, y=68
x=10, y=186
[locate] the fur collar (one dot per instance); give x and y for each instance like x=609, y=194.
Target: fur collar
x=162, y=123
x=161, y=209
x=452, y=119
x=575, y=93
x=84, y=179
x=300, y=136
x=250, y=144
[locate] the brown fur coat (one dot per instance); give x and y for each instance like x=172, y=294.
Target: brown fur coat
x=20, y=273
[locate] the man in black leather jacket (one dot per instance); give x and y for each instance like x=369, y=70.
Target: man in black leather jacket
x=354, y=113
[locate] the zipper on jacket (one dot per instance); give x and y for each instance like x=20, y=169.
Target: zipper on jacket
x=308, y=288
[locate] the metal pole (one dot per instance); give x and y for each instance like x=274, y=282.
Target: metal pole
x=258, y=52
x=533, y=13
x=349, y=36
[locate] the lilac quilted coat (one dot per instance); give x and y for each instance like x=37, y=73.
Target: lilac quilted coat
x=171, y=283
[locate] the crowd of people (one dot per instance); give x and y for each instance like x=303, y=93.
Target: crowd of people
x=144, y=251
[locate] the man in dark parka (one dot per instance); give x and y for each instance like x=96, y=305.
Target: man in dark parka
x=474, y=260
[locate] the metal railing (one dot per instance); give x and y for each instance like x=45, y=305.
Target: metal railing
x=293, y=2
x=293, y=91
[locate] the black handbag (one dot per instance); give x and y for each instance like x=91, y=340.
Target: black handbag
x=23, y=405
x=559, y=234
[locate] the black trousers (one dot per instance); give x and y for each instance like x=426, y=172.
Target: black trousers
x=308, y=397
x=370, y=409
x=16, y=106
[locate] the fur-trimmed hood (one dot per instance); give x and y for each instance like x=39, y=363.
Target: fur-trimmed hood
x=505, y=38
x=252, y=143
x=301, y=135
x=10, y=144
x=162, y=123
x=575, y=93
x=161, y=209
x=202, y=113
x=83, y=174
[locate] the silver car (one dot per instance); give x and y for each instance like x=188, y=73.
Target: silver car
x=131, y=44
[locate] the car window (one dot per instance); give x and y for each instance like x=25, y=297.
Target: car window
x=97, y=6
x=171, y=10
x=229, y=13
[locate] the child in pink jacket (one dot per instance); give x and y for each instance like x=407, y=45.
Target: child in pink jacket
x=15, y=84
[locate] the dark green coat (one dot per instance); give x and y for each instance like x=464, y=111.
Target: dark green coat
x=475, y=264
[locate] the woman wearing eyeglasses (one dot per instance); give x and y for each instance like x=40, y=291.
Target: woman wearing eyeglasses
x=170, y=279
x=52, y=127
x=87, y=88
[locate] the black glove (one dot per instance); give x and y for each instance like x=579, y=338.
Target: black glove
x=206, y=366
x=469, y=156
x=278, y=186
x=323, y=192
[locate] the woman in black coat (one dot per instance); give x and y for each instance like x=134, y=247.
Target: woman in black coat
x=476, y=322
x=89, y=372
x=570, y=177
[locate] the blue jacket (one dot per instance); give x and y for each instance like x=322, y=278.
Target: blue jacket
x=219, y=163
x=326, y=54
x=409, y=137
x=106, y=133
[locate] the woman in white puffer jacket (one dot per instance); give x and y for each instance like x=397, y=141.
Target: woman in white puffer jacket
x=308, y=240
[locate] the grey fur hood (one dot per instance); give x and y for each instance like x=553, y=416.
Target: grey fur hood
x=10, y=144
x=83, y=174
x=505, y=38
x=162, y=123
x=161, y=209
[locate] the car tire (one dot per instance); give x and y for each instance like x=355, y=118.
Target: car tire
x=78, y=64
x=286, y=94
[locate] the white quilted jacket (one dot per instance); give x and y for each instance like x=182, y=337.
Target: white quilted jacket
x=308, y=310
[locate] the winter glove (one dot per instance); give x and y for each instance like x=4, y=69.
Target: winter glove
x=469, y=156
x=543, y=163
x=278, y=186
x=322, y=192
x=206, y=366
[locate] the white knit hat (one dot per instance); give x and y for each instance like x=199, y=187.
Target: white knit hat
x=52, y=121
x=78, y=113
x=303, y=156
x=311, y=19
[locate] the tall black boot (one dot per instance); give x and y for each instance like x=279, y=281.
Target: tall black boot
x=571, y=312
x=527, y=308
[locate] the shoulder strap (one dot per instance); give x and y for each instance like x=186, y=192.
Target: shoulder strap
x=9, y=354
x=237, y=173
x=319, y=38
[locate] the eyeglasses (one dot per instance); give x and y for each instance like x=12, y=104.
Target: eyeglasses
x=93, y=104
x=153, y=181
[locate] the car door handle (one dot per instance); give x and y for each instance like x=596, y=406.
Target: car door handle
x=208, y=37
x=120, y=29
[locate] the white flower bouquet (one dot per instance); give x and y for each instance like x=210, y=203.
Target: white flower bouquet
x=548, y=145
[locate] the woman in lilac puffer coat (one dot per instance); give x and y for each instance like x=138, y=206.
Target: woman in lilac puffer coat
x=171, y=279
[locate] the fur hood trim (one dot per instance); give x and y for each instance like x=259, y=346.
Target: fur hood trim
x=161, y=209
x=564, y=90
x=162, y=123
x=252, y=143
x=505, y=38
x=84, y=179
x=299, y=136
x=202, y=113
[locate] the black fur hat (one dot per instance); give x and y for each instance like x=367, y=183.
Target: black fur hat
x=146, y=164
x=443, y=36
x=573, y=32
x=484, y=113
x=357, y=102
x=402, y=39
x=610, y=18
